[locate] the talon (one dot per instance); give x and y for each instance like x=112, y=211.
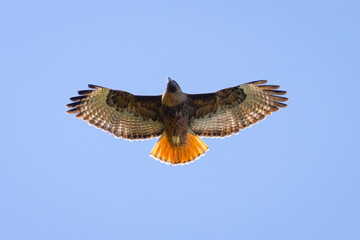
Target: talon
x=176, y=141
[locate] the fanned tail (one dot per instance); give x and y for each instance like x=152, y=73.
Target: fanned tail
x=166, y=151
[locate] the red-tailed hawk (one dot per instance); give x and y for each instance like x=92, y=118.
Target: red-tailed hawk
x=176, y=117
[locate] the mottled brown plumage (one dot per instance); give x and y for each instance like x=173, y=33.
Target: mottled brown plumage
x=178, y=118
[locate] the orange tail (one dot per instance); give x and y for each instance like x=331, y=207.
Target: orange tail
x=166, y=151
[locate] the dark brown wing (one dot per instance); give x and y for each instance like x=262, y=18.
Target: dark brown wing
x=227, y=111
x=120, y=113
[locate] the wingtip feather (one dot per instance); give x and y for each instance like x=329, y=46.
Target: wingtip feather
x=72, y=111
x=85, y=92
x=77, y=98
x=280, y=105
x=269, y=87
x=258, y=82
x=92, y=86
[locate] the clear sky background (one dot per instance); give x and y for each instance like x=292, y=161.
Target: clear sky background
x=294, y=175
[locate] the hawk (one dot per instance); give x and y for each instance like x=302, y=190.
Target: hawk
x=179, y=119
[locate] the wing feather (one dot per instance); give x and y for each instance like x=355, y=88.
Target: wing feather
x=227, y=111
x=118, y=112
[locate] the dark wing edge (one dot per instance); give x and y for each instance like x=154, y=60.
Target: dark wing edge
x=229, y=110
x=118, y=112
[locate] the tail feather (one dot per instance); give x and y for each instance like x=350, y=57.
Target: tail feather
x=166, y=151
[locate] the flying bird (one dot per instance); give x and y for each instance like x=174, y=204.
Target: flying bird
x=178, y=118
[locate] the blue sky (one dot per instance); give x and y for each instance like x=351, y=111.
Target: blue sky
x=294, y=175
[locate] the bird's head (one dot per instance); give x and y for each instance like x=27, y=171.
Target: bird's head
x=172, y=86
x=173, y=94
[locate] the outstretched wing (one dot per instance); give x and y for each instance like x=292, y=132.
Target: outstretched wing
x=227, y=111
x=120, y=113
